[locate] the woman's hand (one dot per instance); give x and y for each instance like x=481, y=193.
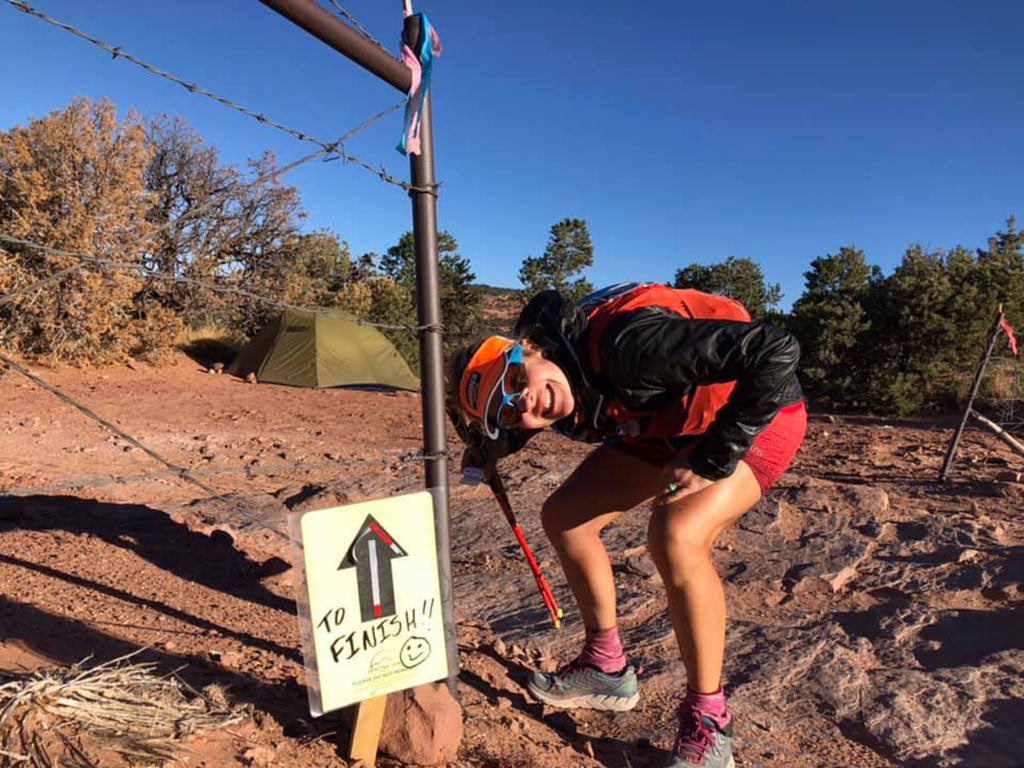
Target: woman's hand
x=678, y=480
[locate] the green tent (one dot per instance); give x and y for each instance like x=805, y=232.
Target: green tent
x=328, y=349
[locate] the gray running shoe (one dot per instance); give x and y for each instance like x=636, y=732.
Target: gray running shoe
x=579, y=686
x=701, y=743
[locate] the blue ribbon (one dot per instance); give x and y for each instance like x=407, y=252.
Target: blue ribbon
x=414, y=105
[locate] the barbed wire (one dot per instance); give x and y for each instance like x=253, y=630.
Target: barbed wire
x=353, y=21
x=176, y=471
x=102, y=481
x=330, y=147
x=216, y=199
x=329, y=151
x=91, y=260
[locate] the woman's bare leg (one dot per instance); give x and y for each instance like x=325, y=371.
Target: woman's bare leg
x=680, y=538
x=605, y=485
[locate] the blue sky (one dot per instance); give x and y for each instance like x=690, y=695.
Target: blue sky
x=681, y=132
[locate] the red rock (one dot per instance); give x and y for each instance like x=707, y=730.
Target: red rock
x=791, y=521
x=258, y=756
x=422, y=726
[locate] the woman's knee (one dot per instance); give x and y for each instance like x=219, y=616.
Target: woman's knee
x=678, y=539
x=563, y=522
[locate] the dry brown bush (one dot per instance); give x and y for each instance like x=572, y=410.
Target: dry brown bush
x=75, y=180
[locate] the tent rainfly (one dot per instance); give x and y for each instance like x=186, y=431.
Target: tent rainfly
x=323, y=349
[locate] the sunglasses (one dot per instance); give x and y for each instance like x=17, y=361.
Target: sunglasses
x=506, y=412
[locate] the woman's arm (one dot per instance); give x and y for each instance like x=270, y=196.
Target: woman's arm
x=652, y=354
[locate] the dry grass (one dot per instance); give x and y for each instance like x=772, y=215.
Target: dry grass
x=211, y=332
x=117, y=707
x=211, y=343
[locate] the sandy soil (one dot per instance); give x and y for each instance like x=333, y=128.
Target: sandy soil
x=876, y=616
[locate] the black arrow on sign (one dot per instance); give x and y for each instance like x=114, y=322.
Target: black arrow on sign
x=371, y=553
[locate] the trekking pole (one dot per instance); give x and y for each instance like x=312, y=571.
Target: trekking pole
x=549, y=599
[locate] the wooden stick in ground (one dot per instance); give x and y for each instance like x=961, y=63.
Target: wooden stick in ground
x=1001, y=433
x=369, y=716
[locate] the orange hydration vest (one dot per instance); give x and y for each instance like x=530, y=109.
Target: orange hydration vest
x=692, y=414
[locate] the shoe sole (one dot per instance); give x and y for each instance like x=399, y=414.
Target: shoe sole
x=598, y=701
x=732, y=763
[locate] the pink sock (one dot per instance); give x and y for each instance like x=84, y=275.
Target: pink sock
x=603, y=649
x=712, y=705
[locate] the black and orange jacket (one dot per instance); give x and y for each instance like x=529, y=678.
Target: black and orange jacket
x=665, y=365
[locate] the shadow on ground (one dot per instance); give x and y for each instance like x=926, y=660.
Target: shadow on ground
x=212, y=561
x=66, y=641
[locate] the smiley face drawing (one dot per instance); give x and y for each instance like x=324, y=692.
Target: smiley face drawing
x=414, y=651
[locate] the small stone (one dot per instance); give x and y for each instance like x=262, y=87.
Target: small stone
x=251, y=378
x=259, y=755
x=588, y=747
x=216, y=696
x=170, y=645
x=791, y=521
x=812, y=585
x=844, y=577
x=232, y=659
x=499, y=647
x=969, y=556
x=504, y=704
x=889, y=533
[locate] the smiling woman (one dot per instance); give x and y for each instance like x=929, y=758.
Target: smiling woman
x=509, y=385
x=695, y=407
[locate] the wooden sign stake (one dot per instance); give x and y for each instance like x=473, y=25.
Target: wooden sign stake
x=367, y=719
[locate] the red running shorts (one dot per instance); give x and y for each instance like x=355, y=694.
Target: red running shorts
x=771, y=454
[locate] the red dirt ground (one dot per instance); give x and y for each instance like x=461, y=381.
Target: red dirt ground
x=865, y=600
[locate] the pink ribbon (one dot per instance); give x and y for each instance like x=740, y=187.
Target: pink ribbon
x=1011, y=337
x=410, y=143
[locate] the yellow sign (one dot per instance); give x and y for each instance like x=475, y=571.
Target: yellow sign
x=370, y=600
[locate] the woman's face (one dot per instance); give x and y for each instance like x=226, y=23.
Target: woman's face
x=547, y=397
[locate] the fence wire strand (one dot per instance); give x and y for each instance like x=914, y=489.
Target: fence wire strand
x=354, y=22
x=177, y=471
x=86, y=259
x=91, y=260
x=102, y=481
x=328, y=151
x=330, y=147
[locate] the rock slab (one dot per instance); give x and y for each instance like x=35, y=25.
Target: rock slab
x=422, y=726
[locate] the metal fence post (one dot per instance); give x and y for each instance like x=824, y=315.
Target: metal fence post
x=978, y=374
x=338, y=35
